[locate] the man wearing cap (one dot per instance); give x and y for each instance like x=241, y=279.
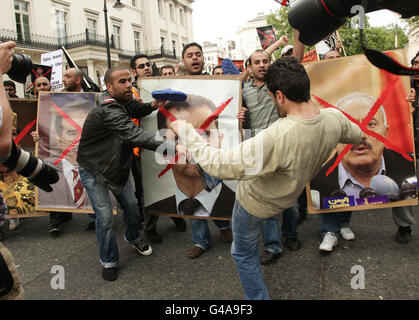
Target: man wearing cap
x=288, y=50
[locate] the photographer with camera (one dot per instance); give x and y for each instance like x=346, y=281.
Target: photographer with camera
x=10, y=284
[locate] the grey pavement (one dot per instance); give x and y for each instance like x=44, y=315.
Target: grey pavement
x=391, y=269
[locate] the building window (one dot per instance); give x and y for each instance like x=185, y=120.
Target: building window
x=134, y=3
x=22, y=20
x=174, y=47
x=172, y=12
x=117, y=37
x=61, y=26
x=182, y=17
x=163, y=40
x=160, y=4
x=137, y=41
x=91, y=28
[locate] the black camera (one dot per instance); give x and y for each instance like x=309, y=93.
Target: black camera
x=21, y=67
x=316, y=19
x=39, y=172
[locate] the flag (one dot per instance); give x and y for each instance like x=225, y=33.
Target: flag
x=88, y=84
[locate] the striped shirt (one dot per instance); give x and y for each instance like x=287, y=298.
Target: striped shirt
x=261, y=109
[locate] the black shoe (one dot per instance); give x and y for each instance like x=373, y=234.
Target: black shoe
x=143, y=247
x=109, y=274
x=403, y=234
x=268, y=257
x=153, y=236
x=292, y=243
x=91, y=226
x=55, y=231
x=180, y=224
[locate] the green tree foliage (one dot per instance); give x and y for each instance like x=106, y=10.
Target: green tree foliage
x=413, y=21
x=379, y=38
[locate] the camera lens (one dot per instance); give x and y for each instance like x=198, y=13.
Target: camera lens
x=21, y=67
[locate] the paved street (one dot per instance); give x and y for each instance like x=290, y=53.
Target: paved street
x=390, y=268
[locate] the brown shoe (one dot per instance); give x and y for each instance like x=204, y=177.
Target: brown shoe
x=195, y=252
x=226, y=235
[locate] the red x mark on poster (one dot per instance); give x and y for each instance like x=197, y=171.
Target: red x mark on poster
x=269, y=38
x=363, y=126
x=37, y=76
x=203, y=127
x=75, y=125
x=24, y=132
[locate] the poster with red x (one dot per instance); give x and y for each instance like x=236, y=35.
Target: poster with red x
x=380, y=171
x=172, y=184
x=267, y=36
x=60, y=122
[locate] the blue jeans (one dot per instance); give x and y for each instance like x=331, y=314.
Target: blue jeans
x=245, y=252
x=102, y=205
x=334, y=221
x=270, y=229
x=201, y=235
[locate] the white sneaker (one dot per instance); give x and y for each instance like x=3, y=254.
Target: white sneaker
x=14, y=224
x=329, y=242
x=347, y=234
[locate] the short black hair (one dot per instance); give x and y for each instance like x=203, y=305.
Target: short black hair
x=258, y=51
x=217, y=67
x=288, y=75
x=109, y=73
x=9, y=83
x=192, y=44
x=192, y=102
x=168, y=66
x=135, y=58
x=414, y=58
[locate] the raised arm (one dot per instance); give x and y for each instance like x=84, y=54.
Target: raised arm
x=281, y=42
x=298, y=50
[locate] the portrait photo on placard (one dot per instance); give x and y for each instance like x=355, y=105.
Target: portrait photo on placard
x=211, y=106
x=267, y=36
x=60, y=122
x=379, y=172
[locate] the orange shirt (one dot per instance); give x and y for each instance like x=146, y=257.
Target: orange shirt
x=136, y=121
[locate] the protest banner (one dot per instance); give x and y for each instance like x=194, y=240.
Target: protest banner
x=55, y=60
x=168, y=185
x=17, y=191
x=238, y=63
x=267, y=36
x=380, y=171
x=310, y=56
x=60, y=121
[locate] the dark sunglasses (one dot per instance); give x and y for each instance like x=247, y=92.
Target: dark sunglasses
x=143, y=65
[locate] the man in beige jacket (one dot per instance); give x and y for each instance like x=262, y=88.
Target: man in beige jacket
x=273, y=167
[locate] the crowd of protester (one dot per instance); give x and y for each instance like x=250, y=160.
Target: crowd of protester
x=256, y=96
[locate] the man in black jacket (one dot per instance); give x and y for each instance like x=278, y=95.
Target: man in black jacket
x=105, y=156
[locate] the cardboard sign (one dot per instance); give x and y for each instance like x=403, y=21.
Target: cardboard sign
x=168, y=181
x=375, y=100
x=267, y=36
x=55, y=60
